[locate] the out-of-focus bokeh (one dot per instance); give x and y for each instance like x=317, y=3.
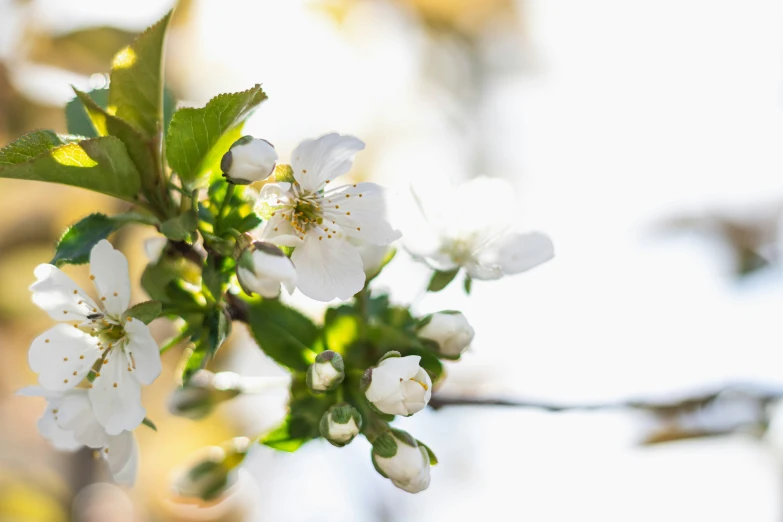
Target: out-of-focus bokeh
x=644, y=137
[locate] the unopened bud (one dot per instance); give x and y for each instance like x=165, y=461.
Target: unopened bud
x=340, y=424
x=327, y=372
x=403, y=460
x=209, y=472
x=449, y=330
x=248, y=160
x=262, y=268
x=205, y=390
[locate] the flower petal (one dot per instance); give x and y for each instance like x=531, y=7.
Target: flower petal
x=116, y=395
x=109, y=268
x=327, y=268
x=57, y=294
x=142, y=352
x=123, y=457
x=360, y=210
x=62, y=356
x=317, y=161
x=75, y=415
x=516, y=252
x=387, y=377
x=279, y=232
x=61, y=439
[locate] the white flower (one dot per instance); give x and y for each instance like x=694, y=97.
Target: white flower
x=340, y=424
x=263, y=268
x=400, y=458
x=472, y=228
x=398, y=385
x=248, y=160
x=327, y=372
x=373, y=256
x=318, y=220
x=70, y=423
x=450, y=330
x=95, y=331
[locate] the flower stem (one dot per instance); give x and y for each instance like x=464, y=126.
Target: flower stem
x=223, y=205
x=173, y=341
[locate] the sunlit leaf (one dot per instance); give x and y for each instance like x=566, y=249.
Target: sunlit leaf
x=76, y=243
x=198, y=138
x=76, y=118
x=99, y=164
x=136, y=89
x=145, y=312
x=283, y=333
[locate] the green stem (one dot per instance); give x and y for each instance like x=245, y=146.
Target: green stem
x=173, y=341
x=223, y=205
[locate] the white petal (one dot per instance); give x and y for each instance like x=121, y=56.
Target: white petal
x=362, y=212
x=516, y=252
x=143, y=352
x=327, y=269
x=62, y=356
x=110, y=269
x=57, y=294
x=75, y=415
x=123, y=457
x=326, y=158
x=279, y=232
x=387, y=376
x=61, y=439
x=116, y=395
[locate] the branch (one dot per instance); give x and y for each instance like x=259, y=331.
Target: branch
x=756, y=393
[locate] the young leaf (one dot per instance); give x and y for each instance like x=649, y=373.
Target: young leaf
x=281, y=439
x=430, y=453
x=441, y=280
x=283, y=333
x=147, y=422
x=198, y=138
x=139, y=148
x=136, y=89
x=145, y=312
x=76, y=243
x=180, y=227
x=98, y=164
x=214, y=330
x=76, y=118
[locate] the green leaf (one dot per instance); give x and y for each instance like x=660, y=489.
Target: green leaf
x=281, y=439
x=139, y=148
x=213, y=332
x=283, y=333
x=76, y=243
x=136, y=89
x=198, y=138
x=98, y=164
x=340, y=329
x=145, y=312
x=468, y=284
x=147, y=422
x=180, y=227
x=441, y=280
x=77, y=120
x=433, y=458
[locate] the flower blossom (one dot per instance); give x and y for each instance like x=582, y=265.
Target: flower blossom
x=318, y=220
x=69, y=423
x=95, y=338
x=482, y=240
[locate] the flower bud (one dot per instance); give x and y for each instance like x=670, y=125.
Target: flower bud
x=248, y=160
x=327, y=372
x=262, y=268
x=450, y=330
x=399, y=457
x=398, y=385
x=205, y=390
x=209, y=473
x=340, y=424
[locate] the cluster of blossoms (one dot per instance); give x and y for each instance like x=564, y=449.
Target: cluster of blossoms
x=92, y=365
